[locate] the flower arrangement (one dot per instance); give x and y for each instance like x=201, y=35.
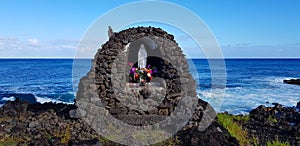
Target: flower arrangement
x=141, y=75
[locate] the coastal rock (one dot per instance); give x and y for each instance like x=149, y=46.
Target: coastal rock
x=92, y=142
x=292, y=81
x=45, y=124
x=41, y=124
x=211, y=135
x=270, y=123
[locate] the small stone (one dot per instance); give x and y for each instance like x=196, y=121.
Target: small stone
x=7, y=129
x=37, y=136
x=143, y=107
x=163, y=112
x=75, y=114
x=219, y=129
x=32, y=124
x=102, y=87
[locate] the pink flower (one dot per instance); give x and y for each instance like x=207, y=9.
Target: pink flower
x=132, y=70
x=130, y=64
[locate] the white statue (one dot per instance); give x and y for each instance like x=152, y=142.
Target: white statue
x=142, y=57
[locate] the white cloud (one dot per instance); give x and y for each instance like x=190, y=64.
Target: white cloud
x=33, y=47
x=64, y=44
x=33, y=41
x=8, y=40
x=67, y=46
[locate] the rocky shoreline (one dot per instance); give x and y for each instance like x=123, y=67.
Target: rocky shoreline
x=104, y=91
x=38, y=124
x=278, y=122
x=292, y=81
x=277, y=125
x=22, y=123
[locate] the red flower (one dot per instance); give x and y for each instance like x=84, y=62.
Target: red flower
x=136, y=76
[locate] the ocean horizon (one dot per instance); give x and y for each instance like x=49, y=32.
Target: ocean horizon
x=250, y=82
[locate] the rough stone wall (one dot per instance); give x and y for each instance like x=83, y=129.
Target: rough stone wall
x=108, y=77
x=108, y=67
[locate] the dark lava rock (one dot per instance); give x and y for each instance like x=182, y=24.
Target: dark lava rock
x=41, y=124
x=215, y=135
x=292, y=81
x=92, y=142
x=14, y=108
x=57, y=129
x=267, y=124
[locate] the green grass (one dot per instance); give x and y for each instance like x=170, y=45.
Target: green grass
x=240, y=118
x=255, y=141
x=13, y=141
x=169, y=142
x=67, y=136
x=10, y=142
x=230, y=122
x=277, y=142
x=103, y=140
x=272, y=119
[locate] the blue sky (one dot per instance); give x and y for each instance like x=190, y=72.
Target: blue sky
x=243, y=28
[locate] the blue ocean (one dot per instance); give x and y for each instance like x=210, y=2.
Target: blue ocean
x=249, y=82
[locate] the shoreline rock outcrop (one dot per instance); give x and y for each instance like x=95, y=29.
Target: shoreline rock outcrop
x=22, y=123
x=267, y=125
x=46, y=124
x=292, y=81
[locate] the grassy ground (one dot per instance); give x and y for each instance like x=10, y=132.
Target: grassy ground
x=233, y=123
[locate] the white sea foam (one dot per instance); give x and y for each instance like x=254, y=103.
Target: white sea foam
x=9, y=98
x=241, y=100
x=46, y=99
x=38, y=99
x=214, y=97
x=276, y=80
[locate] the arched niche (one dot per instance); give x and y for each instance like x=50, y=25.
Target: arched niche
x=150, y=46
x=154, y=55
